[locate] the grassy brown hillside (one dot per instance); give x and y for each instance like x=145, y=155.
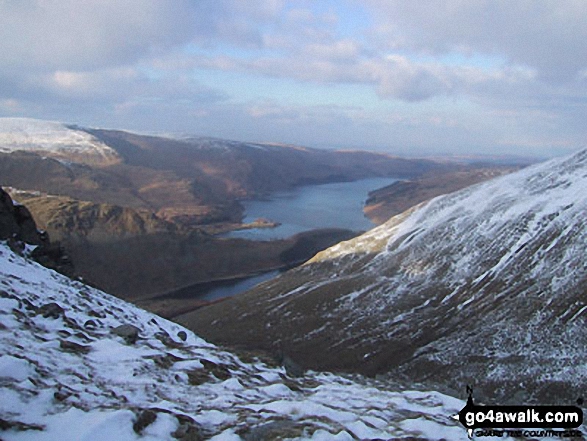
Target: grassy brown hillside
x=236, y=169
x=142, y=225
x=136, y=255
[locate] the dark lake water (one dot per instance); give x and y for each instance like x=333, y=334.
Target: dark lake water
x=222, y=288
x=338, y=205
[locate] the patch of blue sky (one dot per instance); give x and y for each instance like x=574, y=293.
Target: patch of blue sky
x=460, y=59
x=353, y=19
x=229, y=50
x=150, y=73
x=249, y=87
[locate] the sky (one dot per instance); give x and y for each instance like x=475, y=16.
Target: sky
x=410, y=77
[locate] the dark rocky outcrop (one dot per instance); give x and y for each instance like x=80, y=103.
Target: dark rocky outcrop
x=18, y=227
x=16, y=222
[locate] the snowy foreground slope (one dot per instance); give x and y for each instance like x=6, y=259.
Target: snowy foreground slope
x=54, y=139
x=486, y=286
x=65, y=375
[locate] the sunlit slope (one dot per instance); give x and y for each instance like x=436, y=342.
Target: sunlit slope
x=54, y=139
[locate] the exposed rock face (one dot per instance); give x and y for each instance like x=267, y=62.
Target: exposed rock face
x=67, y=218
x=129, y=333
x=16, y=222
x=486, y=286
x=19, y=228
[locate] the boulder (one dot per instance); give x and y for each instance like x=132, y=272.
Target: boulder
x=129, y=333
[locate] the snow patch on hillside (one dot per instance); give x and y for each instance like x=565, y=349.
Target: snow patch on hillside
x=53, y=138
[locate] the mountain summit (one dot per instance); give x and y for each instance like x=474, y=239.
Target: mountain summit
x=54, y=139
x=486, y=286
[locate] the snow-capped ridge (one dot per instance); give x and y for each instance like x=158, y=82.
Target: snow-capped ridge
x=54, y=139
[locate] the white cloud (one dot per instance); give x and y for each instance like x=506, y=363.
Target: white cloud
x=550, y=36
x=89, y=34
x=462, y=72
x=341, y=50
x=107, y=82
x=80, y=35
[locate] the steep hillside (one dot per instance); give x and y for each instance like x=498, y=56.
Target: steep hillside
x=65, y=217
x=193, y=180
x=486, y=286
x=237, y=169
x=78, y=364
x=398, y=197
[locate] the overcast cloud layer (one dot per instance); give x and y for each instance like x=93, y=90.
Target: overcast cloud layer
x=410, y=77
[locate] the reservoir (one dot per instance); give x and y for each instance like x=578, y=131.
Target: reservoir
x=222, y=288
x=336, y=205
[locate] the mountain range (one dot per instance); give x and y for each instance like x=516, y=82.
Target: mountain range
x=486, y=286
x=112, y=197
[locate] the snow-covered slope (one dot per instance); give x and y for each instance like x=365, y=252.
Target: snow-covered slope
x=485, y=286
x=65, y=373
x=54, y=139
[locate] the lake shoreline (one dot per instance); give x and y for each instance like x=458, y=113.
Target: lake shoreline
x=303, y=246
x=306, y=208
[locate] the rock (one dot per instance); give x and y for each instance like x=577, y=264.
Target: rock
x=18, y=426
x=53, y=256
x=90, y=324
x=72, y=347
x=16, y=221
x=182, y=335
x=144, y=419
x=166, y=339
x=18, y=226
x=129, y=333
x=188, y=429
x=17, y=246
x=51, y=310
x=196, y=377
x=29, y=306
x=218, y=370
x=61, y=396
x=273, y=430
x=291, y=367
x=166, y=360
